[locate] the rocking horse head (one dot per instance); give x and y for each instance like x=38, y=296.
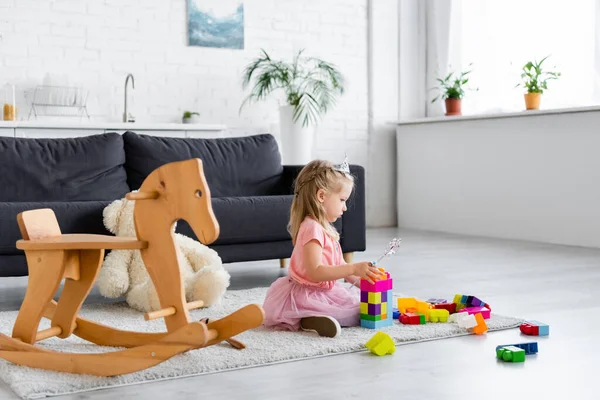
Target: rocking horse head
x=174, y=191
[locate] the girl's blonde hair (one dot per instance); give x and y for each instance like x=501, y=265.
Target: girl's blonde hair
x=317, y=174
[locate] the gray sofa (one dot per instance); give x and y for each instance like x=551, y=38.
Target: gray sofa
x=78, y=177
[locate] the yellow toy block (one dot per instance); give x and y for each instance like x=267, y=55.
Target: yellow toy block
x=406, y=302
x=423, y=307
x=375, y=297
x=364, y=308
x=438, y=315
x=383, y=308
x=381, y=344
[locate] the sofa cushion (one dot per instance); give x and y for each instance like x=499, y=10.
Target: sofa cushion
x=73, y=217
x=240, y=166
x=248, y=219
x=245, y=220
x=75, y=169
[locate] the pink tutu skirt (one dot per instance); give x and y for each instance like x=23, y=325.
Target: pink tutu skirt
x=288, y=301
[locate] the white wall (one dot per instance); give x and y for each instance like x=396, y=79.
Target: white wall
x=383, y=107
x=531, y=177
x=96, y=43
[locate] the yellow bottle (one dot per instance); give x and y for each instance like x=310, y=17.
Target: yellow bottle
x=10, y=112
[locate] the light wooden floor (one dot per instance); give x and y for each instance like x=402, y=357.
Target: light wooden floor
x=553, y=284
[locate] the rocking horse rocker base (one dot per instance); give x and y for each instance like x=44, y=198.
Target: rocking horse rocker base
x=51, y=257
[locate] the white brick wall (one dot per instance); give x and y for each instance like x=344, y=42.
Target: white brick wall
x=95, y=43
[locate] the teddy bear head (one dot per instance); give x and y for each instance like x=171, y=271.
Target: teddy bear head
x=118, y=218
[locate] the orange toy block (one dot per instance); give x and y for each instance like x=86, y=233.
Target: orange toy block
x=481, y=327
x=406, y=302
x=424, y=307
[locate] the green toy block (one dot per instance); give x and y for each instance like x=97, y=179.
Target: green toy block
x=511, y=354
x=370, y=317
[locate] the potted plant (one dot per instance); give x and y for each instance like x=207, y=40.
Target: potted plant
x=310, y=86
x=535, y=80
x=190, y=117
x=452, y=90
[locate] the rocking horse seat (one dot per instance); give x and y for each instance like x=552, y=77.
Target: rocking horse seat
x=82, y=241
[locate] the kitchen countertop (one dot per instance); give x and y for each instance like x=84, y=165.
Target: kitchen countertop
x=158, y=126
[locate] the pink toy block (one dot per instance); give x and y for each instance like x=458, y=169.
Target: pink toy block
x=379, y=286
x=485, y=313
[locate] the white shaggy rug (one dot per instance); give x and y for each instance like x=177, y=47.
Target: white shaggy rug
x=263, y=347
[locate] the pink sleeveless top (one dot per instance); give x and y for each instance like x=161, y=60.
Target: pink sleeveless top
x=332, y=252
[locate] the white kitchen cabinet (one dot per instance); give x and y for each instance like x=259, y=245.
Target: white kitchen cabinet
x=7, y=132
x=205, y=134
x=162, y=133
x=41, y=133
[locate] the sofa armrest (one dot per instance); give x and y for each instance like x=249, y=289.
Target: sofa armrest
x=354, y=225
x=353, y=230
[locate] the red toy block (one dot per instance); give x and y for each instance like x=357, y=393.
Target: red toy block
x=534, y=328
x=412, y=319
x=450, y=307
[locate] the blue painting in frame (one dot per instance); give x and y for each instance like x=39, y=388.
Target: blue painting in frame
x=216, y=23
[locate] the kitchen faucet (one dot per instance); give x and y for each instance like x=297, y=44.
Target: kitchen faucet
x=126, y=116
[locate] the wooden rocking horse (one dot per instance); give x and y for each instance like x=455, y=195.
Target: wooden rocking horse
x=171, y=192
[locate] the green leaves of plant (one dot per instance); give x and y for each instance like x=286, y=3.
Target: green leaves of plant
x=535, y=79
x=451, y=87
x=310, y=84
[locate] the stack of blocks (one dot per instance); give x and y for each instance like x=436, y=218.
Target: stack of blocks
x=376, y=309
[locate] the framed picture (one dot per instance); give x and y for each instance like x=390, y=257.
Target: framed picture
x=216, y=23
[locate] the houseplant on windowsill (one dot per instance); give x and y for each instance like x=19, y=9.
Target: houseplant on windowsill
x=535, y=80
x=310, y=86
x=452, y=90
x=190, y=117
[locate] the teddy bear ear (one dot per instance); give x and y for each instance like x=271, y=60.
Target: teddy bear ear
x=111, y=215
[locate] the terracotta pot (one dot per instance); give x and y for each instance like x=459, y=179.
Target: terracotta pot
x=453, y=106
x=532, y=101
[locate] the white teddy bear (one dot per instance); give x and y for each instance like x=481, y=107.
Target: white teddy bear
x=124, y=273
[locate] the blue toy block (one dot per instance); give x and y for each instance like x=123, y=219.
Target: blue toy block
x=376, y=324
x=396, y=313
x=530, y=348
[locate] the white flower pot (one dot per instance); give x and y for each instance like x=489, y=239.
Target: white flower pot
x=296, y=141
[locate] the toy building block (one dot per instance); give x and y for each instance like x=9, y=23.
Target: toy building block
x=381, y=344
x=464, y=301
x=423, y=307
x=481, y=327
x=412, y=319
x=406, y=302
x=450, y=307
x=396, y=313
x=468, y=321
x=535, y=328
x=437, y=301
x=438, y=315
x=457, y=317
x=477, y=310
x=376, y=309
x=511, y=354
x=530, y=347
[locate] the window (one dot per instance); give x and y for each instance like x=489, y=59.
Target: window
x=499, y=37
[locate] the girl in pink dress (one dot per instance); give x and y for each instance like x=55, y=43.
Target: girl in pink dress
x=311, y=297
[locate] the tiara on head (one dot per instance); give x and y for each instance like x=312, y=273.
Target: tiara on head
x=343, y=167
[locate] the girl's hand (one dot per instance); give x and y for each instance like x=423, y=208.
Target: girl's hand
x=367, y=270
